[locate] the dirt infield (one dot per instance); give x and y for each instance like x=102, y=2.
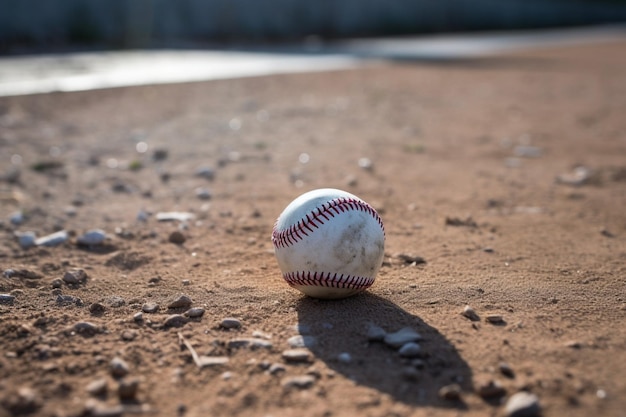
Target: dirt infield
x=501, y=183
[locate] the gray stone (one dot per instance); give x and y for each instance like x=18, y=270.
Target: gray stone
x=66, y=300
x=26, y=239
x=194, y=312
x=205, y=172
x=181, y=301
x=410, y=350
x=97, y=308
x=203, y=193
x=150, y=307
x=296, y=355
x=522, y=404
x=75, y=276
x=470, y=313
x=277, y=368
x=86, y=328
x=92, y=238
x=495, y=319
x=115, y=301
x=375, y=333
x=299, y=382
x=402, y=337
x=175, y=320
x=7, y=299
x=230, y=323
x=118, y=367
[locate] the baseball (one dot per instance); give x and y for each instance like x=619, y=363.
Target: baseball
x=329, y=243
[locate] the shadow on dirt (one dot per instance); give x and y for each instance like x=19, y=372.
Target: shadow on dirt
x=341, y=326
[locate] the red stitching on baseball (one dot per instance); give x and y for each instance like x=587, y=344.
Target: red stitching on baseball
x=291, y=235
x=327, y=279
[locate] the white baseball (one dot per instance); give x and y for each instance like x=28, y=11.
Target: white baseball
x=329, y=243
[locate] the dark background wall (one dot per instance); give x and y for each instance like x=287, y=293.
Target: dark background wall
x=145, y=23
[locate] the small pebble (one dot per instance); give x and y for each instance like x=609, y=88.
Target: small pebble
x=129, y=335
x=26, y=239
x=402, y=337
x=375, y=333
x=98, y=387
x=92, y=238
x=494, y=319
x=296, y=355
x=177, y=237
x=506, y=370
x=175, y=320
x=230, y=323
x=53, y=239
x=194, y=312
x=527, y=151
x=205, y=172
x=127, y=389
x=574, y=344
x=75, y=276
x=470, y=313
x=66, y=300
x=16, y=218
x=7, y=299
x=522, y=404
x=150, y=307
x=410, y=350
x=450, y=392
x=138, y=317
x=203, y=193
x=299, y=382
x=181, y=301
x=344, y=357
x=115, y=301
x=97, y=308
x=56, y=283
x=118, y=367
x=276, y=368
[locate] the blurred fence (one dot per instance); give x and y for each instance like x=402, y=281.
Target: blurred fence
x=141, y=23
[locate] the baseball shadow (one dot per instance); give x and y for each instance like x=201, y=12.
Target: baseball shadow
x=341, y=326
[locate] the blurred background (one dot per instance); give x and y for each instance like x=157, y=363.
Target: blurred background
x=44, y=25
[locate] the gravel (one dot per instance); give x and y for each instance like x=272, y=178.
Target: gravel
x=194, y=312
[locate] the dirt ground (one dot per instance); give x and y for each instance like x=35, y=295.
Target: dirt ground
x=506, y=175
